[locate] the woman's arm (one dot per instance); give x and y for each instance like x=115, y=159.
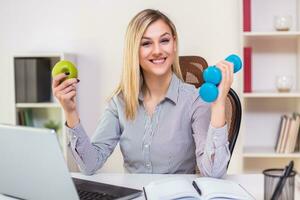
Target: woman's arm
x=211, y=137
x=212, y=153
x=91, y=154
x=218, y=107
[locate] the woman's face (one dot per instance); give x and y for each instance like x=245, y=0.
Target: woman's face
x=157, y=49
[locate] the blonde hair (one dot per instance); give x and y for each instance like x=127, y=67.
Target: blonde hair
x=129, y=85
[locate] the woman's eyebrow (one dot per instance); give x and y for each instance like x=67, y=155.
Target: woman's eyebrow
x=166, y=33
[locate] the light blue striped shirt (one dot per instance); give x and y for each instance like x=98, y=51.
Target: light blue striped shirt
x=176, y=138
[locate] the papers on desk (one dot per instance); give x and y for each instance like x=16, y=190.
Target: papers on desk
x=202, y=188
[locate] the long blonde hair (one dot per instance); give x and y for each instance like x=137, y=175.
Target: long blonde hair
x=129, y=85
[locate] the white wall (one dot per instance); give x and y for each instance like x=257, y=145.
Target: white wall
x=94, y=31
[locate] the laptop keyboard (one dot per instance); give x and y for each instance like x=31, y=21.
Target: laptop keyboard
x=87, y=195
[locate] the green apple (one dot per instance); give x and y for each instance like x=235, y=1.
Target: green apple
x=64, y=66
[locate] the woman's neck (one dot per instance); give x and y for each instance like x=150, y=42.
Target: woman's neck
x=156, y=87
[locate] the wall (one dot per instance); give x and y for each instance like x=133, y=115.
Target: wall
x=94, y=31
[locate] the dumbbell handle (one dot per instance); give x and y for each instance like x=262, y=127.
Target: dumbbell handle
x=213, y=74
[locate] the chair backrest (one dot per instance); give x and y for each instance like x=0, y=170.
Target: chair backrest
x=191, y=69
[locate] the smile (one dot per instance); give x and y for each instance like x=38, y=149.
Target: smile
x=158, y=61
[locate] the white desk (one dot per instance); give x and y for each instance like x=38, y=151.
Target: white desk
x=254, y=183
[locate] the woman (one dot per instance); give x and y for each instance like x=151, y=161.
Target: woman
x=161, y=123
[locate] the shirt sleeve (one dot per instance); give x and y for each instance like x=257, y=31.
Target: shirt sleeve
x=212, y=152
x=91, y=154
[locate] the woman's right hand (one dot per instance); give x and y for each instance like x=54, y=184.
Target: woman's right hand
x=65, y=92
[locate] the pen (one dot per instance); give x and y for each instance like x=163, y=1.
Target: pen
x=197, y=188
x=286, y=173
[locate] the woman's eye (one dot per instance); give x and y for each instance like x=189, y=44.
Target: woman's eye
x=165, y=41
x=146, y=44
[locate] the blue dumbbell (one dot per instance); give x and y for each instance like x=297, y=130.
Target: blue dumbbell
x=213, y=76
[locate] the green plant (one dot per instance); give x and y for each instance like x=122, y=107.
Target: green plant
x=52, y=125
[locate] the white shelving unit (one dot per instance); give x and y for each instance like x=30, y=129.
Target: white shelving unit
x=273, y=53
x=37, y=105
x=267, y=152
x=271, y=95
x=43, y=112
x=288, y=34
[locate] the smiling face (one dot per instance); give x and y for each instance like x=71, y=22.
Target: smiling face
x=157, y=49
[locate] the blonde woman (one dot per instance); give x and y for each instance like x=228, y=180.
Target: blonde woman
x=160, y=122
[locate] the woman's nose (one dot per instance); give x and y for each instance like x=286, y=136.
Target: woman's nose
x=156, y=48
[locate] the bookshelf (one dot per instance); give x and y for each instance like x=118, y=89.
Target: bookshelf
x=273, y=53
x=34, y=103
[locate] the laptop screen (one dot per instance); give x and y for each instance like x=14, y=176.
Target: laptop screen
x=33, y=167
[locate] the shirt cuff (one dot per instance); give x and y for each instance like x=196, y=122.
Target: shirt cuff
x=76, y=135
x=219, y=135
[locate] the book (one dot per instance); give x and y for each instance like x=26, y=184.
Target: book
x=283, y=119
x=294, y=129
x=247, y=15
x=28, y=117
x=247, y=69
x=21, y=118
x=285, y=134
x=202, y=188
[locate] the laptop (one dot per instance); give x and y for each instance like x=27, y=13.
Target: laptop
x=32, y=167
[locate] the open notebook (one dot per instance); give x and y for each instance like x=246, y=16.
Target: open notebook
x=202, y=188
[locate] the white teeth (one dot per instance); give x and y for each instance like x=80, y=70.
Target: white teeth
x=158, y=61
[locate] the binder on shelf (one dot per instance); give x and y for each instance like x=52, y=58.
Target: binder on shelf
x=32, y=80
x=247, y=15
x=247, y=69
x=38, y=84
x=20, y=81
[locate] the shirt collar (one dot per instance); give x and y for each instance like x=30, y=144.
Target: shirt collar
x=172, y=93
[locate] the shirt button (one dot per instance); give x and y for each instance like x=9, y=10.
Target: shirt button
x=146, y=145
x=74, y=137
x=148, y=165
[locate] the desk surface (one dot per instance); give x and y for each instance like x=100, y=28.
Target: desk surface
x=254, y=183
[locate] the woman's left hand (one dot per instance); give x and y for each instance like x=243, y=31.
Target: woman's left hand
x=226, y=82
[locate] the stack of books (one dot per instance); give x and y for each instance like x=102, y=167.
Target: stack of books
x=288, y=133
x=25, y=117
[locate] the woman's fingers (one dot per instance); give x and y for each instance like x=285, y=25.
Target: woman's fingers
x=222, y=66
x=62, y=86
x=58, y=79
x=62, y=93
x=68, y=89
x=66, y=84
x=230, y=68
x=69, y=96
x=227, y=72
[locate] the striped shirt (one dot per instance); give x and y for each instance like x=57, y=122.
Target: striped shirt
x=175, y=139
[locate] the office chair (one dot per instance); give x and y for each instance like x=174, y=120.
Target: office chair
x=191, y=69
